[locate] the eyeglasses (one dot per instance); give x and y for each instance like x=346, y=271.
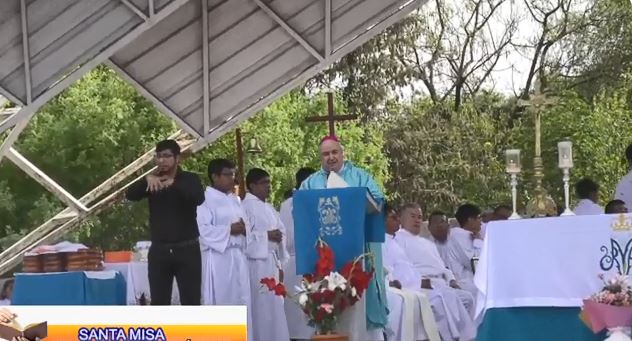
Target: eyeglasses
x=163, y=155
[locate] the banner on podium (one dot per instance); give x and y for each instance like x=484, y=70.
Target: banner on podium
x=339, y=217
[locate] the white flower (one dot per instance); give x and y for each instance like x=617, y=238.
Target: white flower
x=353, y=292
x=302, y=299
x=313, y=287
x=336, y=280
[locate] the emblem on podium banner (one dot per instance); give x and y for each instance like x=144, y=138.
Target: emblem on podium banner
x=329, y=213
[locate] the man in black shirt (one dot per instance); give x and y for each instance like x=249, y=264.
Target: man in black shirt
x=173, y=196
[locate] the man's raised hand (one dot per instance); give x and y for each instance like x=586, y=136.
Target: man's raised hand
x=153, y=183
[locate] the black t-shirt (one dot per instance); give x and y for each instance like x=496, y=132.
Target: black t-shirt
x=172, y=211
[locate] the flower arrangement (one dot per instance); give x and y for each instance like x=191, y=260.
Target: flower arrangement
x=610, y=308
x=325, y=294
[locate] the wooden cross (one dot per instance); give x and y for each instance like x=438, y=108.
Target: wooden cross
x=331, y=117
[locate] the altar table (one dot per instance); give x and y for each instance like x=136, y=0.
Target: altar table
x=69, y=288
x=534, y=273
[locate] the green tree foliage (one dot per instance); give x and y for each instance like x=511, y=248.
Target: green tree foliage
x=442, y=158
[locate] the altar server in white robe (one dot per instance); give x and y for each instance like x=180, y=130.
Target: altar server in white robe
x=450, y=315
x=296, y=320
x=222, y=224
x=266, y=254
x=425, y=258
x=588, y=194
x=465, y=243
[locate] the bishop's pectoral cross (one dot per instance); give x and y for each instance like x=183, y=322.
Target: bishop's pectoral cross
x=331, y=117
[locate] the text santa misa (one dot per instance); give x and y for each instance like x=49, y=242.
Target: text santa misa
x=119, y=333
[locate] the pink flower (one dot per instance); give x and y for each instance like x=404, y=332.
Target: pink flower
x=329, y=308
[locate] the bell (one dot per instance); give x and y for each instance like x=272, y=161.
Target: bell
x=254, y=147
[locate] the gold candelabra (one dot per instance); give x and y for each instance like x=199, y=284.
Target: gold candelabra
x=541, y=204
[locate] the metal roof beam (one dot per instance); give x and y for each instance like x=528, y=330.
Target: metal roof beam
x=28, y=111
x=38, y=175
x=327, y=28
x=4, y=92
x=26, y=52
x=150, y=96
x=134, y=9
x=362, y=38
x=289, y=30
x=206, y=95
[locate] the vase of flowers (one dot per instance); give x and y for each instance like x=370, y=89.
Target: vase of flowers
x=610, y=308
x=325, y=294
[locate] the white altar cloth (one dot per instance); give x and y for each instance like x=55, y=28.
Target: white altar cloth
x=137, y=281
x=548, y=262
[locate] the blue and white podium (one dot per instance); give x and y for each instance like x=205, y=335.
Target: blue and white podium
x=346, y=219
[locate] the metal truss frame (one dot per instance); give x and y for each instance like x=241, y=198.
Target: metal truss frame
x=110, y=191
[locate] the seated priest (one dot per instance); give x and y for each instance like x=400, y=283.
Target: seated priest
x=425, y=258
x=266, y=252
x=450, y=315
x=404, y=316
x=588, y=192
x=465, y=244
x=439, y=229
x=332, y=159
x=431, y=303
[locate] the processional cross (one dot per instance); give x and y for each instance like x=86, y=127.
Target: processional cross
x=541, y=204
x=331, y=117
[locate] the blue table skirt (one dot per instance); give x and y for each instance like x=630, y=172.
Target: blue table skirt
x=69, y=288
x=535, y=324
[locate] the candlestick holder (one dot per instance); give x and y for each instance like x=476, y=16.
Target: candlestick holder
x=514, y=196
x=566, y=179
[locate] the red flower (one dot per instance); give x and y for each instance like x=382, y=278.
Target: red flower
x=320, y=315
x=326, y=262
x=317, y=297
x=279, y=290
x=328, y=296
x=269, y=282
x=272, y=285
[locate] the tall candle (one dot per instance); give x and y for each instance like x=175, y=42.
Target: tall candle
x=565, y=154
x=513, y=161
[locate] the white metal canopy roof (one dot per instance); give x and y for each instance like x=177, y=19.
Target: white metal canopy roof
x=207, y=64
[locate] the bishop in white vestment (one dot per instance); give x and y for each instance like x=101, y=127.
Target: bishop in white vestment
x=296, y=319
x=266, y=253
x=221, y=221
